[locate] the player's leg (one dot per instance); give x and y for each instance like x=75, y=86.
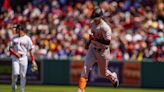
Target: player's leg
x=103, y=67
x=15, y=73
x=23, y=70
x=88, y=63
x=107, y=73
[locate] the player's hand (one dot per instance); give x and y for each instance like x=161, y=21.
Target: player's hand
x=18, y=55
x=34, y=66
x=87, y=44
x=91, y=37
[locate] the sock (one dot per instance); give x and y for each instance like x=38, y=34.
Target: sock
x=22, y=83
x=82, y=84
x=14, y=81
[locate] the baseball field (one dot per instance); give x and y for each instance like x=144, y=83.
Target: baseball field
x=51, y=88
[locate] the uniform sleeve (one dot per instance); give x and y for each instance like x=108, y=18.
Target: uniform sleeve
x=30, y=44
x=107, y=33
x=11, y=44
x=90, y=32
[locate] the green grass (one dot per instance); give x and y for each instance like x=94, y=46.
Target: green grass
x=46, y=88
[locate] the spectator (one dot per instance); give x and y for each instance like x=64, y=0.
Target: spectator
x=59, y=30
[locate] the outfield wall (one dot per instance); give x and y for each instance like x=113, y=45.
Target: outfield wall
x=130, y=73
x=32, y=77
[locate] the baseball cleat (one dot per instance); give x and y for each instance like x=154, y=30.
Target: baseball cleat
x=79, y=90
x=116, y=81
x=14, y=87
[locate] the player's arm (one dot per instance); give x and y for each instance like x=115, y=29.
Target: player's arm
x=104, y=40
x=32, y=56
x=107, y=34
x=34, y=65
x=91, y=37
x=12, y=51
x=87, y=43
x=31, y=52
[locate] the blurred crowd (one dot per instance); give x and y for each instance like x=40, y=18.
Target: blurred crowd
x=60, y=30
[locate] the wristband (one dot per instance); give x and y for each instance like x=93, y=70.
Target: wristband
x=32, y=57
x=103, y=41
x=12, y=52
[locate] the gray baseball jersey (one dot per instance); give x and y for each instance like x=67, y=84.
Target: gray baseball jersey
x=98, y=52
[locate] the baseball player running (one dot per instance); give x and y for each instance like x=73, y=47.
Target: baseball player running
x=98, y=50
x=19, y=47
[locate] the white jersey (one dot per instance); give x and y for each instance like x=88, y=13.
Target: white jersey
x=22, y=44
x=101, y=30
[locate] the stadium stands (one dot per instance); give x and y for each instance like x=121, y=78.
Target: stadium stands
x=60, y=30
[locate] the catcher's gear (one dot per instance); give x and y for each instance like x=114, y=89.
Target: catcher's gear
x=97, y=12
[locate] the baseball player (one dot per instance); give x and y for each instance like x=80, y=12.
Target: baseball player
x=19, y=47
x=98, y=51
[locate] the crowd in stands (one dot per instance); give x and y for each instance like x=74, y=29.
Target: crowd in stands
x=60, y=30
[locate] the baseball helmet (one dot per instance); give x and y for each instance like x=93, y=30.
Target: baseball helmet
x=20, y=27
x=97, y=12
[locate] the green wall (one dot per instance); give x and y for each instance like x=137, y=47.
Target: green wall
x=56, y=71
x=152, y=74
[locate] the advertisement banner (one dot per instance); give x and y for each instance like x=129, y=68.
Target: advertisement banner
x=131, y=73
x=75, y=71
x=96, y=79
x=6, y=71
